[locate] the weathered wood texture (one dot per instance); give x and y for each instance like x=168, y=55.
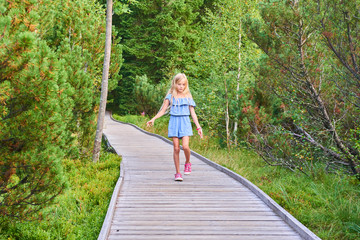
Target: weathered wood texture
x=208, y=204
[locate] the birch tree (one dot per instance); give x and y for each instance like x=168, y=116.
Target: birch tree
x=104, y=83
x=220, y=62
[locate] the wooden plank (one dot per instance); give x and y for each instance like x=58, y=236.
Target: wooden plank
x=229, y=217
x=193, y=212
x=201, y=237
x=205, y=223
x=234, y=229
x=199, y=204
x=212, y=231
x=198, y=210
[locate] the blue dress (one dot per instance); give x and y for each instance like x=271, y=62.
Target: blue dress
x=179, y=124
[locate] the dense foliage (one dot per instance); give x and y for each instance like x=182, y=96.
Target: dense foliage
x=222, y=74
x=50, y=70
x=79, y=212
x=158, y=38
x=311, y=64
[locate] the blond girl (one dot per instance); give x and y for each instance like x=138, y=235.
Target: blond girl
x=181, y=105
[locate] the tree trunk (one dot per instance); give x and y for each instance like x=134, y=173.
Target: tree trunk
x=325, y=117
x=227, y=116
x=330, y=126
x=238, y=86
x=104, y=83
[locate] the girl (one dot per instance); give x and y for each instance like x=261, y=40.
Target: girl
x=181, y=105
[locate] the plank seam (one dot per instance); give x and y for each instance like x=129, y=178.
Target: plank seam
x=282, y=213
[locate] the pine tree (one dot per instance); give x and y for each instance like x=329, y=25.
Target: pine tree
x=34, y=113
x=50, y=69
x=158, y=37
x=299, y=70
x=76, y=31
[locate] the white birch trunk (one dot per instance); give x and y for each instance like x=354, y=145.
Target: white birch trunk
x=104, y=83
x=238, y=85
x=227, y=117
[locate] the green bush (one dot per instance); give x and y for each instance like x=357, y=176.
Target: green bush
x=51, y=64
x=78, y=213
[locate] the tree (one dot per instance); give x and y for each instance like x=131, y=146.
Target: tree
x=35, y=109
x=148, y=95
x=218, y=61
x=76, y=31
x=340, y=26
x=289, y=36
x=104, y=83
x=49, y=80
x=159, y=37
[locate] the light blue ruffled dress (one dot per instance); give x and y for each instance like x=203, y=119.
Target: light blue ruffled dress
x=179, y=124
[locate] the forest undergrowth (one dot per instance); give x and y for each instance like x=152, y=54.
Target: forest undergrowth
x=79, y=212
x=328, y=204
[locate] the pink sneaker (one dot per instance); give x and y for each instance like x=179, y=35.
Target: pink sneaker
x=178, y=177
x=187, y=170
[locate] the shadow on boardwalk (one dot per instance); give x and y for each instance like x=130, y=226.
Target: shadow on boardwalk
x=211, y=203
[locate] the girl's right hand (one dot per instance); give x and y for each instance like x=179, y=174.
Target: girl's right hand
x=150, y=123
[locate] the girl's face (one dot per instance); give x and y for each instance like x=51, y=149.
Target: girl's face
x=181, y=85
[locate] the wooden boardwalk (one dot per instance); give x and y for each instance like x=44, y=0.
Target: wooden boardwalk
x=209, y=204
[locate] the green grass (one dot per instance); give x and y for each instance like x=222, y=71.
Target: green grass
x=78, y=213
x=328, y=204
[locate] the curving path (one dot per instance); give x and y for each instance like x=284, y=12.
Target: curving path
x=211, y=203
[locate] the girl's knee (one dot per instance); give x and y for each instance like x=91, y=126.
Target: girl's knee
x=176, y=149
x=186, y=147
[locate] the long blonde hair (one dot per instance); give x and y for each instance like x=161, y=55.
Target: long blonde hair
x=177, y=78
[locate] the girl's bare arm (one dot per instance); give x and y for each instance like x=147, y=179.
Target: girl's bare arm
x=160, y=113
x=195, y=119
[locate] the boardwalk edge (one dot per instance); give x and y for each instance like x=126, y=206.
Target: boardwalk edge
x=285, y=215
x=105, y=229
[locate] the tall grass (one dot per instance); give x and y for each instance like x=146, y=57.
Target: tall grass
x=328, y=204
x=78, y=213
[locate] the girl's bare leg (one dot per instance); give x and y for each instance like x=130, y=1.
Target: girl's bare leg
x=176, y=143
x=186, y=148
